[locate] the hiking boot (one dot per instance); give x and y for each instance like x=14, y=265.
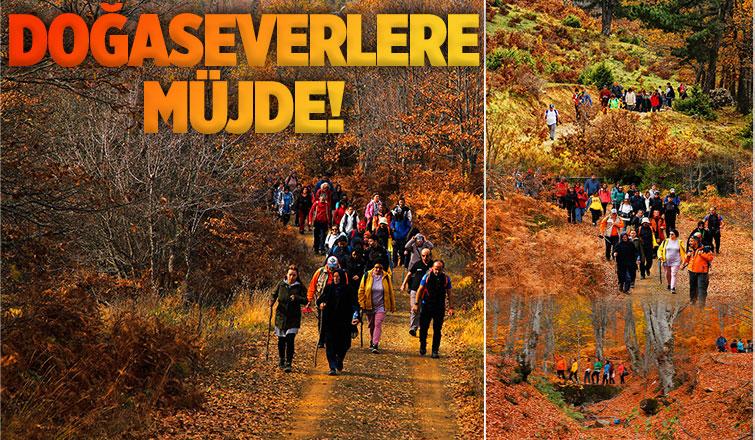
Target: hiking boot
x=375, y=349
x=413, y=332
x=281, y=364
x=372, y=346
x=642, y=277
x=287, y=367
x=339, y=367
x=673, y=291
x=332, y=372
x=631, y=286
x=435, y=355
x=668, y=287
x=422, y=351
x=320, y=345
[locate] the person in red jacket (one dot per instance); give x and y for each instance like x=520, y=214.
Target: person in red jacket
x=561, y=189
x=319, y=216
x=325, y=189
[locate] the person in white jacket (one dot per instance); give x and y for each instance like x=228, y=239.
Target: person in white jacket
x=349, y=221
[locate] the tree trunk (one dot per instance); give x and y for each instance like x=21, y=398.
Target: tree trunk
x=630, y=336
x=514, y=314
x=530, y=348
x=599, y=321
x=606, y=16
x=550, y=338
x=659, y=317
x=495, y=305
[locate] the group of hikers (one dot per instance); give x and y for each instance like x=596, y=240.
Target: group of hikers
x=614, y=97
x=598, y=373
x=735, y=346
x=356, y=279
x=638, y=227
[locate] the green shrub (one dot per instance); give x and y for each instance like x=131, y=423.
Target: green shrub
x=746, y=134
x=664, y=174
x=501, y=56
x=572, y=21
x=598, y=75
x=696, y=104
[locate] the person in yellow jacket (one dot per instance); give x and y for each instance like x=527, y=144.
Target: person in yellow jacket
x=596, y=208
x=376, y=298
x=574, y=371
x=671, y=254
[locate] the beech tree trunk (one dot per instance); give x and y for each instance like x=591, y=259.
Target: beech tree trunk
x=550, y=337
x=514, y=315
x=599, y=322
x=530, y=348
x=606, y=16
x=630, y=336
x=660, y=316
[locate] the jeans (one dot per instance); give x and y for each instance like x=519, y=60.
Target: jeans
x=375, y=324
x=698, y=287
x=425, y=316
x=578, y=213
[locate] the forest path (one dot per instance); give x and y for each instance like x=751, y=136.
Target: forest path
x=393, y=394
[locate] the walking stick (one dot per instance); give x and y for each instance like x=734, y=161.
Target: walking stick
x=660, y=275
x=269, y=330
x=319, y=330
x=361, y=331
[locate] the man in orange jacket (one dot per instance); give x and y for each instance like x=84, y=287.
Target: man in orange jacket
x=698, y=261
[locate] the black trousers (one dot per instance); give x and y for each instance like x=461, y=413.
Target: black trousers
x=573, y=376
x=285, y=218
x=321, y=229
x=595, y=215
x=399, y=259
x=647, y=263
x=716, y=235
x=698, y=287
x=337, y=344
x=586, y=379
x=286, y=347
x=425, y=316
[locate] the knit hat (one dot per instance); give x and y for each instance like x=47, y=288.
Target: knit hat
x=332, y=262
x=645, y=220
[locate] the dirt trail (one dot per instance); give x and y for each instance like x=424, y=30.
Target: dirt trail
x=394, y=394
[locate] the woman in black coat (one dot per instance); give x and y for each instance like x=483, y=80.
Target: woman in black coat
x=340, y=311
x=626, y=262
x=570, y=204
x=291, y=296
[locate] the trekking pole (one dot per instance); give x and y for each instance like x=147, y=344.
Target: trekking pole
x=361, y=331
x=269, y=330
x=660, y=275
x=319, y=330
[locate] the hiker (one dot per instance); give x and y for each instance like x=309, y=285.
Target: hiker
x=330, y=239
x=637, y=243
x=670, y=95
x=597, y=368
x=581, y=205
x=415, y=245
x=433, y=298
x=551, y=120
x=376, y=254
x=338, y=214
x=412, y=280
x=605, y=197
x=606, y=372
x=570, y=205
x=560, y=367
x=656, y=203
x=714, y=223
x=382, y=233
x=340, y=250
x=705, y=237
x=637, y=201
x=625, y=211
x=671, y=210
x=576, y=98
x=658, y=225
x=622, y=371
x=303, y=205
x=605, y=95
x=740, y=346
x=682, y=91
x=285, y=204
x=698, y=260
x=340, y=311
x=610, y=228
x=617, y=90
x=574, y=371
x=400, y=227
x=319, y=215
x=596, y=208
x=617, y=196
x=626, y=263
x=721, y=344
x=655, y=102
x=612, y=374
x=614, y=103
x=671, y=253
x=349, y=221
x=592, y=185
x=325, y=190
x=636, y=221
x=372, y=209
x=562, y=187
x=290, y=297
x=733, y=346
x=588, y=372
x=647, y=246
x=630, y=99
x=375, y=299
x=749, y=346
x=321, y=278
